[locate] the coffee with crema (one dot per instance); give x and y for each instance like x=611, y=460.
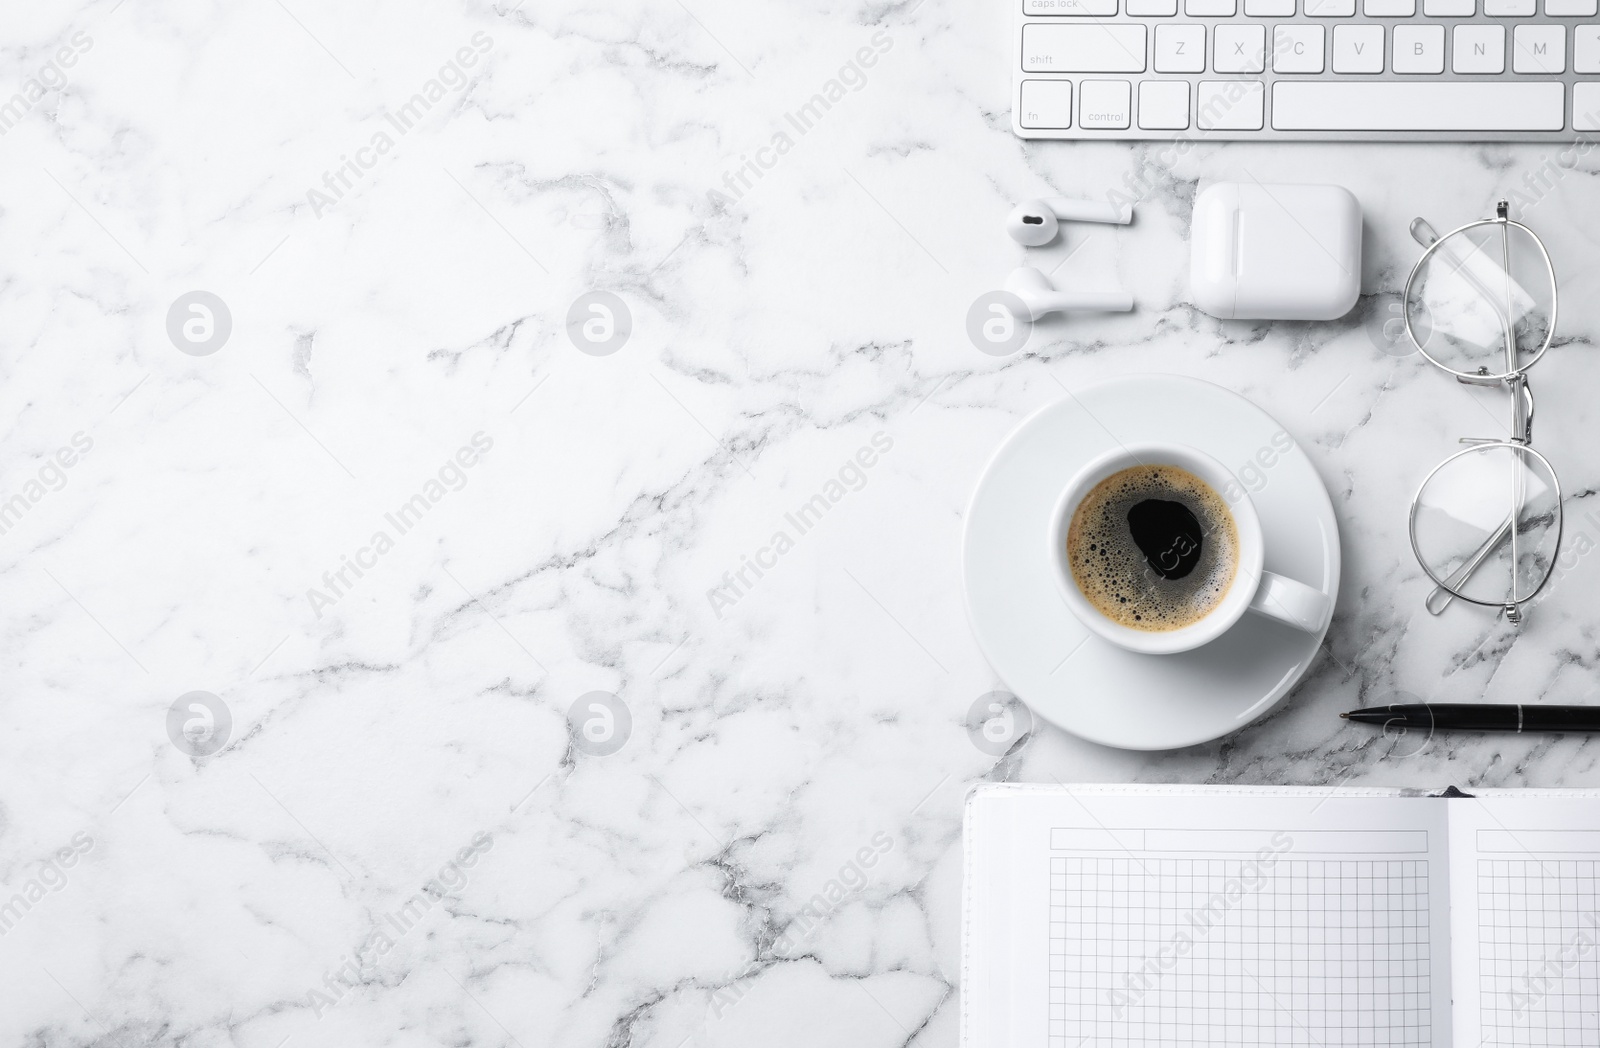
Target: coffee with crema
x=1153, y=548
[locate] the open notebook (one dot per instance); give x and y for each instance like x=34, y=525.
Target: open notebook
x=1145, y=916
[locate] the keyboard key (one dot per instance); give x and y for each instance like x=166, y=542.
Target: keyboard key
x=1164, y=105
x=1418, y=49
x=1586, y=49
x=1479, y=49
x=1358, y=49
x=1330, y=8
x=1438, y=105
x=1539, y=49
x=1152, y=8
x=1091, y=47
x=1269, y=8
x=1509, y=8
x=1232, y=105
x=1105, y=104
x=1449, y=8
x=1239, y=49
x=1096, y=8
x=1180, y=48
x=1046, y=103
x=1569, y=8
x=1389, y=8
x=1297, y=48
x=1586, y=107
x=1210, y=8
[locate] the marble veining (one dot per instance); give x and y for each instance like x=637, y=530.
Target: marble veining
x=410, y=834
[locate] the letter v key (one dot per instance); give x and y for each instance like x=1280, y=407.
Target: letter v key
x=1358, y=49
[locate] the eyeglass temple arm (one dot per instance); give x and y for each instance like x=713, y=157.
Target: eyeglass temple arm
x=1422, y=232
x=1505, y=269
x=1441, y=597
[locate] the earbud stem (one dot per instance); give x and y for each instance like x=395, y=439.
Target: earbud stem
x=1091, y=301
x=1069, y=210
x=1041, y=297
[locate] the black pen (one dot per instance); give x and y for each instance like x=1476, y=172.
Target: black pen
x=1479, y=716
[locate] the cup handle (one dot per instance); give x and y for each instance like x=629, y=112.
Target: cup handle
x=1292, y=603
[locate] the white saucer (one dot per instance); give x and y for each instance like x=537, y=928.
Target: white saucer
x=1089, y=686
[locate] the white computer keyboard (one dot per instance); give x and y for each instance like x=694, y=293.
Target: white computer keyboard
x=1400, y=70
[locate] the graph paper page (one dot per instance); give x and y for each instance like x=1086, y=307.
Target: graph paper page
x=1527, y=919
x=1188, y=920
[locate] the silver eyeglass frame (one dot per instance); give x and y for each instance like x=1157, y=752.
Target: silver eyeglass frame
x=1522, y=408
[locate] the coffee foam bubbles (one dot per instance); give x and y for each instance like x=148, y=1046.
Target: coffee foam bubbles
x=1113, y=573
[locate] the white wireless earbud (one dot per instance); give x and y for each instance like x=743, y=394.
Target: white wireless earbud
x=1033, y=223
x=1041, y=298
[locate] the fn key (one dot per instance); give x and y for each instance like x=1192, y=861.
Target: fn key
x=1046, y=104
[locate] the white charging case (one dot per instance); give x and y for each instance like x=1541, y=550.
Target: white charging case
x=1275, y=252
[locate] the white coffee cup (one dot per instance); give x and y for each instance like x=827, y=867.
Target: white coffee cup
x=1253, y=589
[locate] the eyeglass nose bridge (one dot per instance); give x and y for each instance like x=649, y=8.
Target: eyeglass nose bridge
x=1521, y=410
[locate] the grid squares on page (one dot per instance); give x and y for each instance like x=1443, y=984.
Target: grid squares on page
x=1539, y=952
x=1192, y=953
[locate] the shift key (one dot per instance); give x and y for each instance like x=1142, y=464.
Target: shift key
x=1086, y=47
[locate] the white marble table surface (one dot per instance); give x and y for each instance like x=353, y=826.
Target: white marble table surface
x=402, y=840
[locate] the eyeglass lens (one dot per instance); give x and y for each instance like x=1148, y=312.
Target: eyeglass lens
x=1482, y=301
x=1487, y=522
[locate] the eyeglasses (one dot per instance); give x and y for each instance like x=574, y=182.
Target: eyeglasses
x=1486, y=523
